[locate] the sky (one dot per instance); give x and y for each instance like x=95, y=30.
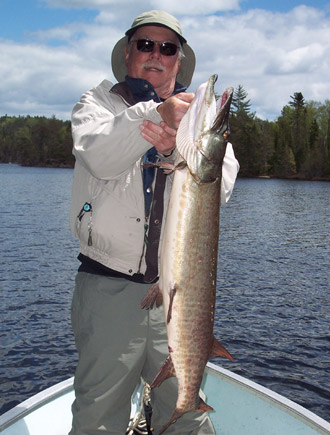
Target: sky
x=52, y=51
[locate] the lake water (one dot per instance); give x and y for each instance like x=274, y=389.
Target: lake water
x=273, y=302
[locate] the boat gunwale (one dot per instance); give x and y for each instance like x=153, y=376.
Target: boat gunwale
x=299, y=412
x=35, y=402
x=308, y=417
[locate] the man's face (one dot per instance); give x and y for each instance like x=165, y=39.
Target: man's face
x=158, y=69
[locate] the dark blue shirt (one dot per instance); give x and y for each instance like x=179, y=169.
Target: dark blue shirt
x=143, y=90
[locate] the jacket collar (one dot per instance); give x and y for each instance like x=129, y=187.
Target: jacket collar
x=124, y=91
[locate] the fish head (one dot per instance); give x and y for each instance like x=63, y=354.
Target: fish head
x=203, y=132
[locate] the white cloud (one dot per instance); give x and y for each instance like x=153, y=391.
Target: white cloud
x=191, y=7
x=299, y=60
x=272, y=55
x=194, y=7
x=40, y=80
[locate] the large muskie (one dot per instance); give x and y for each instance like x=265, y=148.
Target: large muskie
x=189, y=253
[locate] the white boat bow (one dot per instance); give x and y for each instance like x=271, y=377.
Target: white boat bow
x=241, y=407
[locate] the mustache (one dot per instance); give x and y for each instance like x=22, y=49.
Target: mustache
x=154, y=64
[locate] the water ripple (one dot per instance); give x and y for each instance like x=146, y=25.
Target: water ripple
x=273, y=302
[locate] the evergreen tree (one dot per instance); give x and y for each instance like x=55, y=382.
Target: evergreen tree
x=283, y=161
x=299, y=131
x=248, y=136
x=313, y=133
x=239, y=103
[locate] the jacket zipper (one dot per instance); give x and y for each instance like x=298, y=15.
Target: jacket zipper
x=146, y=220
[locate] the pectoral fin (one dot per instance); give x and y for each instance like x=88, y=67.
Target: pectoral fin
x=169, y=313
x=153, y=296
x=219, y=350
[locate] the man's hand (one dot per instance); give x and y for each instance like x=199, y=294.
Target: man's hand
x=162, y=137
x=173, y=109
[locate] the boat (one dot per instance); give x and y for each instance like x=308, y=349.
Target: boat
x=240, y=407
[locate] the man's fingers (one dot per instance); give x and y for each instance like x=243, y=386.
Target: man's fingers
x=159, y=130
x=151, y=134
x=162, y=138
x=154, y=128
x=173, y=109
x=171, y=131
x=185, y=96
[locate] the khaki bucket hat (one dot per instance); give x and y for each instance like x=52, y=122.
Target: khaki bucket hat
x=154, y=18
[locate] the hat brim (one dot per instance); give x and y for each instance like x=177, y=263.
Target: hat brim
x=119, y=68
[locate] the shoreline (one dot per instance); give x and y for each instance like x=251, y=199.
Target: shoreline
x=70, y=165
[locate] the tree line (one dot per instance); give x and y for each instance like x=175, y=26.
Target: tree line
x=295, y=145
x=36, y=141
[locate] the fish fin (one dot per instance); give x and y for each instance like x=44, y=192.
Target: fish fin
x=169, y=313
x=176, y=414
x=219, y=350
x=203, y=407
x=153, y=295
x=169, y=167
x=159, y=299
x=166, y=371
x=181, y=165
x=150, y=165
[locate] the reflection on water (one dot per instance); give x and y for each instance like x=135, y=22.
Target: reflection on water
x=273, y=294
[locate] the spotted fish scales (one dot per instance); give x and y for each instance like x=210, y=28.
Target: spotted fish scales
x=189, y=252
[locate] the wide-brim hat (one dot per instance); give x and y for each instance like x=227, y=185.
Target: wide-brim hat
x=154, y=18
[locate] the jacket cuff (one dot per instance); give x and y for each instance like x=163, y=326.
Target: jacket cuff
x=154, y=115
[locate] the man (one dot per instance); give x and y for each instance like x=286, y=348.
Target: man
x=117, y=210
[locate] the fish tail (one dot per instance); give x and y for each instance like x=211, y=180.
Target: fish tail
x=203, y=407
x=176, y=414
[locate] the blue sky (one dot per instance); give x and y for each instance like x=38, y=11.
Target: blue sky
x=281, y=5
x=54, y=50
x=20, y=17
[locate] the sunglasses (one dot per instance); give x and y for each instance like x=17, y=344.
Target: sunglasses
x=148, y=46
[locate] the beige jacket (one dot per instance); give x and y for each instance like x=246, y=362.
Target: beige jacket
x=108, y=148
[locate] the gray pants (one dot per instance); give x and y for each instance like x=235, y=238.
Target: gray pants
x=118, y=342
